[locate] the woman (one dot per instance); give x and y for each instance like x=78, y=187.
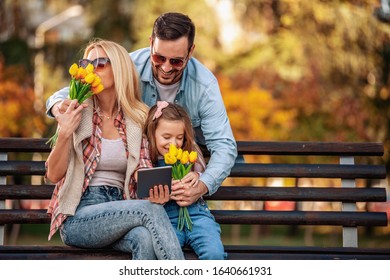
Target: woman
x=93, y=161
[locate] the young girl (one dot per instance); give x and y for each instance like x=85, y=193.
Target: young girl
x=168, y=124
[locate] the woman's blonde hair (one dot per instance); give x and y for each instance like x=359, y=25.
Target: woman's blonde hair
x=126, y=79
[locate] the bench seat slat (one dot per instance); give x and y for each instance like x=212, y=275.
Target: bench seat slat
x=235, y=252
x=261, y=217
x=45, y=252
x=232, y=193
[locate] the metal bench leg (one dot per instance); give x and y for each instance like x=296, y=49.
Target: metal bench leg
x=3, y=181
x=350, y=234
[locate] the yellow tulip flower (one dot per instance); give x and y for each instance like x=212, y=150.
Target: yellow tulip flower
x=185, y=157
x=173, y=150
x=193, y=156
x=98, y=89
x=73, y=70
x=96, y=82
x=89, y=68
x=90, y=78
x=179, y=154
x=81, y=73
x=169, y=159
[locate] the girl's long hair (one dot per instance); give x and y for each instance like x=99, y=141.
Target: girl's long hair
x=172, y=112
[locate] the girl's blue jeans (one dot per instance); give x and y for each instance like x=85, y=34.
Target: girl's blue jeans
x=205, y=237
x=104, y=219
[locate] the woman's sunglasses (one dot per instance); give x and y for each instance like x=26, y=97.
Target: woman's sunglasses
x=98, y=63
x=175, y=62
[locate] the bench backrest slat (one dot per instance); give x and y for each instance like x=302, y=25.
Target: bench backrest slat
x=30, y=145
x=266, y=170
x=245, y=193
x=308, y=171
x=22, y=168
x=261, y=217
x=299, y=194
x=310, y=148
x=244, y=147
x=26, y=191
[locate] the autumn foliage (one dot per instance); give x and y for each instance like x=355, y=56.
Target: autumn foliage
x=17, y=114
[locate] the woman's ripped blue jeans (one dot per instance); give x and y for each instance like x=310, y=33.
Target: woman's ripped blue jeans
x=104, y=219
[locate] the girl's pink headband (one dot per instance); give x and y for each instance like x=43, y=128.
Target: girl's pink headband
x=160, y=106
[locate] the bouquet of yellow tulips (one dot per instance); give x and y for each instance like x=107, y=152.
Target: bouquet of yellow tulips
x=181, y=162
x=84, y=84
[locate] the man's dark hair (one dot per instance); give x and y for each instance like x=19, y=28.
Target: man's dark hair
x=172, y=26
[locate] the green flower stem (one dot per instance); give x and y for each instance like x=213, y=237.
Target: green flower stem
x=184, y=219
x=179, y=170
x=52, y=140
x=187, y=218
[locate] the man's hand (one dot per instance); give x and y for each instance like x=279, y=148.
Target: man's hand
x=186, y=194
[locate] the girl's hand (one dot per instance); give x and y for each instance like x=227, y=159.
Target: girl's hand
x=159, y=194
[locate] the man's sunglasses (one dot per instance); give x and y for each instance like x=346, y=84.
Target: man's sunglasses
x=98, y=63
x=175, y=62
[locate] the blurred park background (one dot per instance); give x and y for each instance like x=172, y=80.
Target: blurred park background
x=289, y=70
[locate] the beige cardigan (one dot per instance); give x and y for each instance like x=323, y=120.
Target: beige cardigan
x=70, y=193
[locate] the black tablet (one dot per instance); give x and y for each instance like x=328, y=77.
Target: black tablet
x=150, y=177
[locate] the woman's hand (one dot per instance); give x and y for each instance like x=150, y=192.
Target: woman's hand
x=159, y=194
x=70, y=119
x=62, y=106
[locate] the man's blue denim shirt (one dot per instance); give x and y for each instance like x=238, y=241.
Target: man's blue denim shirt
x=201, y=97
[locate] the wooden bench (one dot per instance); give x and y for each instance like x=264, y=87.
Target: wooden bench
x=263, y=161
